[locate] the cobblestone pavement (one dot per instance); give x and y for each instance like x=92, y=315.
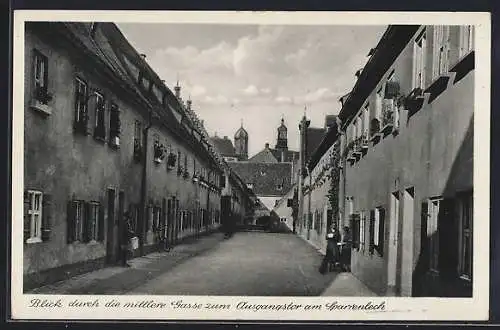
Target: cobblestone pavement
x=249, y=263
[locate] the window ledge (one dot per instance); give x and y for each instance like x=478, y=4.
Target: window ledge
x=34, y=240
x=39, y=106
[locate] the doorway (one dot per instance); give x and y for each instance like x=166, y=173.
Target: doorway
x=407, y=242
x=392, y=263
x=111, y=244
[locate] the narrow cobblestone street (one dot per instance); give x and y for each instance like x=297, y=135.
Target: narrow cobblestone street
x=249, y=263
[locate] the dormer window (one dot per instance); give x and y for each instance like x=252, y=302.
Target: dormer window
x=93, y=28
x=262, y=173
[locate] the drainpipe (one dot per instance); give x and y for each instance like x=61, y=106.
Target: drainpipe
x=342, y=134
x=144, y=184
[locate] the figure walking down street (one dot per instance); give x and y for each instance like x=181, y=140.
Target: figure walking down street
x=345, y=254
x=332, y=256
x=126, y=235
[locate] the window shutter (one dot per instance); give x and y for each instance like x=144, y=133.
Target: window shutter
x=448, y=238
x=87, y=221
x=46, y=74
x=372, y=230
x=424, y=239
x=70, y=223
x=46, y=216
x=101, y=235
x=381, y=233
x=77, y=99
x=27, y=218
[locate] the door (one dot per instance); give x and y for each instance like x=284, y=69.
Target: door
x=225, y=204
x=407, y=243
x=111, y=254
x=393, y=243
x=170, y=222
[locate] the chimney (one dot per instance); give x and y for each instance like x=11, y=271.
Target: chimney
x=188, y=104
x=267, y=145
x=203, y=123
x=225, y=137
x=143, y=56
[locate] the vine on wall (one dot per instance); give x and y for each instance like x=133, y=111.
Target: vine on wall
x=333, y=192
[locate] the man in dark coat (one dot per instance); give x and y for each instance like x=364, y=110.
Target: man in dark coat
x=332, y=255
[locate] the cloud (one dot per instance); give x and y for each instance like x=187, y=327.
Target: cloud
x=320, y=95
x=198, y=90
x=251, y=90
x=283, y=99
x=266, y=91
x=216, y=100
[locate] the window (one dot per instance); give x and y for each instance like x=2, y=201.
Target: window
x=41, y=77
x=99, y=129
x=114, y=125
x=432, y=233
x=378, y=104
x=441, y=50
x=366, y=120
x=419, y=50
x=76, y=219
x=377, y=230
x=362, y=220
x=94, y=221
x=466, y=39
x=137, y=139
x=250, y=185
x=465, y=206
x=179, y=160
x=223, y=181
x=356, y=230
x=81, y=115
x=34, y=216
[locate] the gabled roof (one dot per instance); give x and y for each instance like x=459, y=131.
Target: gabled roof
x=268, y=179
x=224, y=146
x=313, y=140
x=264, y=156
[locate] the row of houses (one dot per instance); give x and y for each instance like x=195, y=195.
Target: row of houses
x=397, y=166
x=105, y=139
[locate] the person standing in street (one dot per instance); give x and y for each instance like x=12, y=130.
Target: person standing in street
x=332, y=255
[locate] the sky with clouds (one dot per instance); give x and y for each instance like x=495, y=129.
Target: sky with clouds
x=256, y=73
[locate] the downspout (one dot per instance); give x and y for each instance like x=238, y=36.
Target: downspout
x=342, y=134
x=144, y=183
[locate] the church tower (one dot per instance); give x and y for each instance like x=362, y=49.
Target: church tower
x=241, y=143
x=282, y=141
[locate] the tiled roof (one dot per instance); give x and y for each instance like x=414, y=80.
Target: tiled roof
x=313, y=139
x=268, y=179
x=224, y=146
x=290, y=155
x=263, y=156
